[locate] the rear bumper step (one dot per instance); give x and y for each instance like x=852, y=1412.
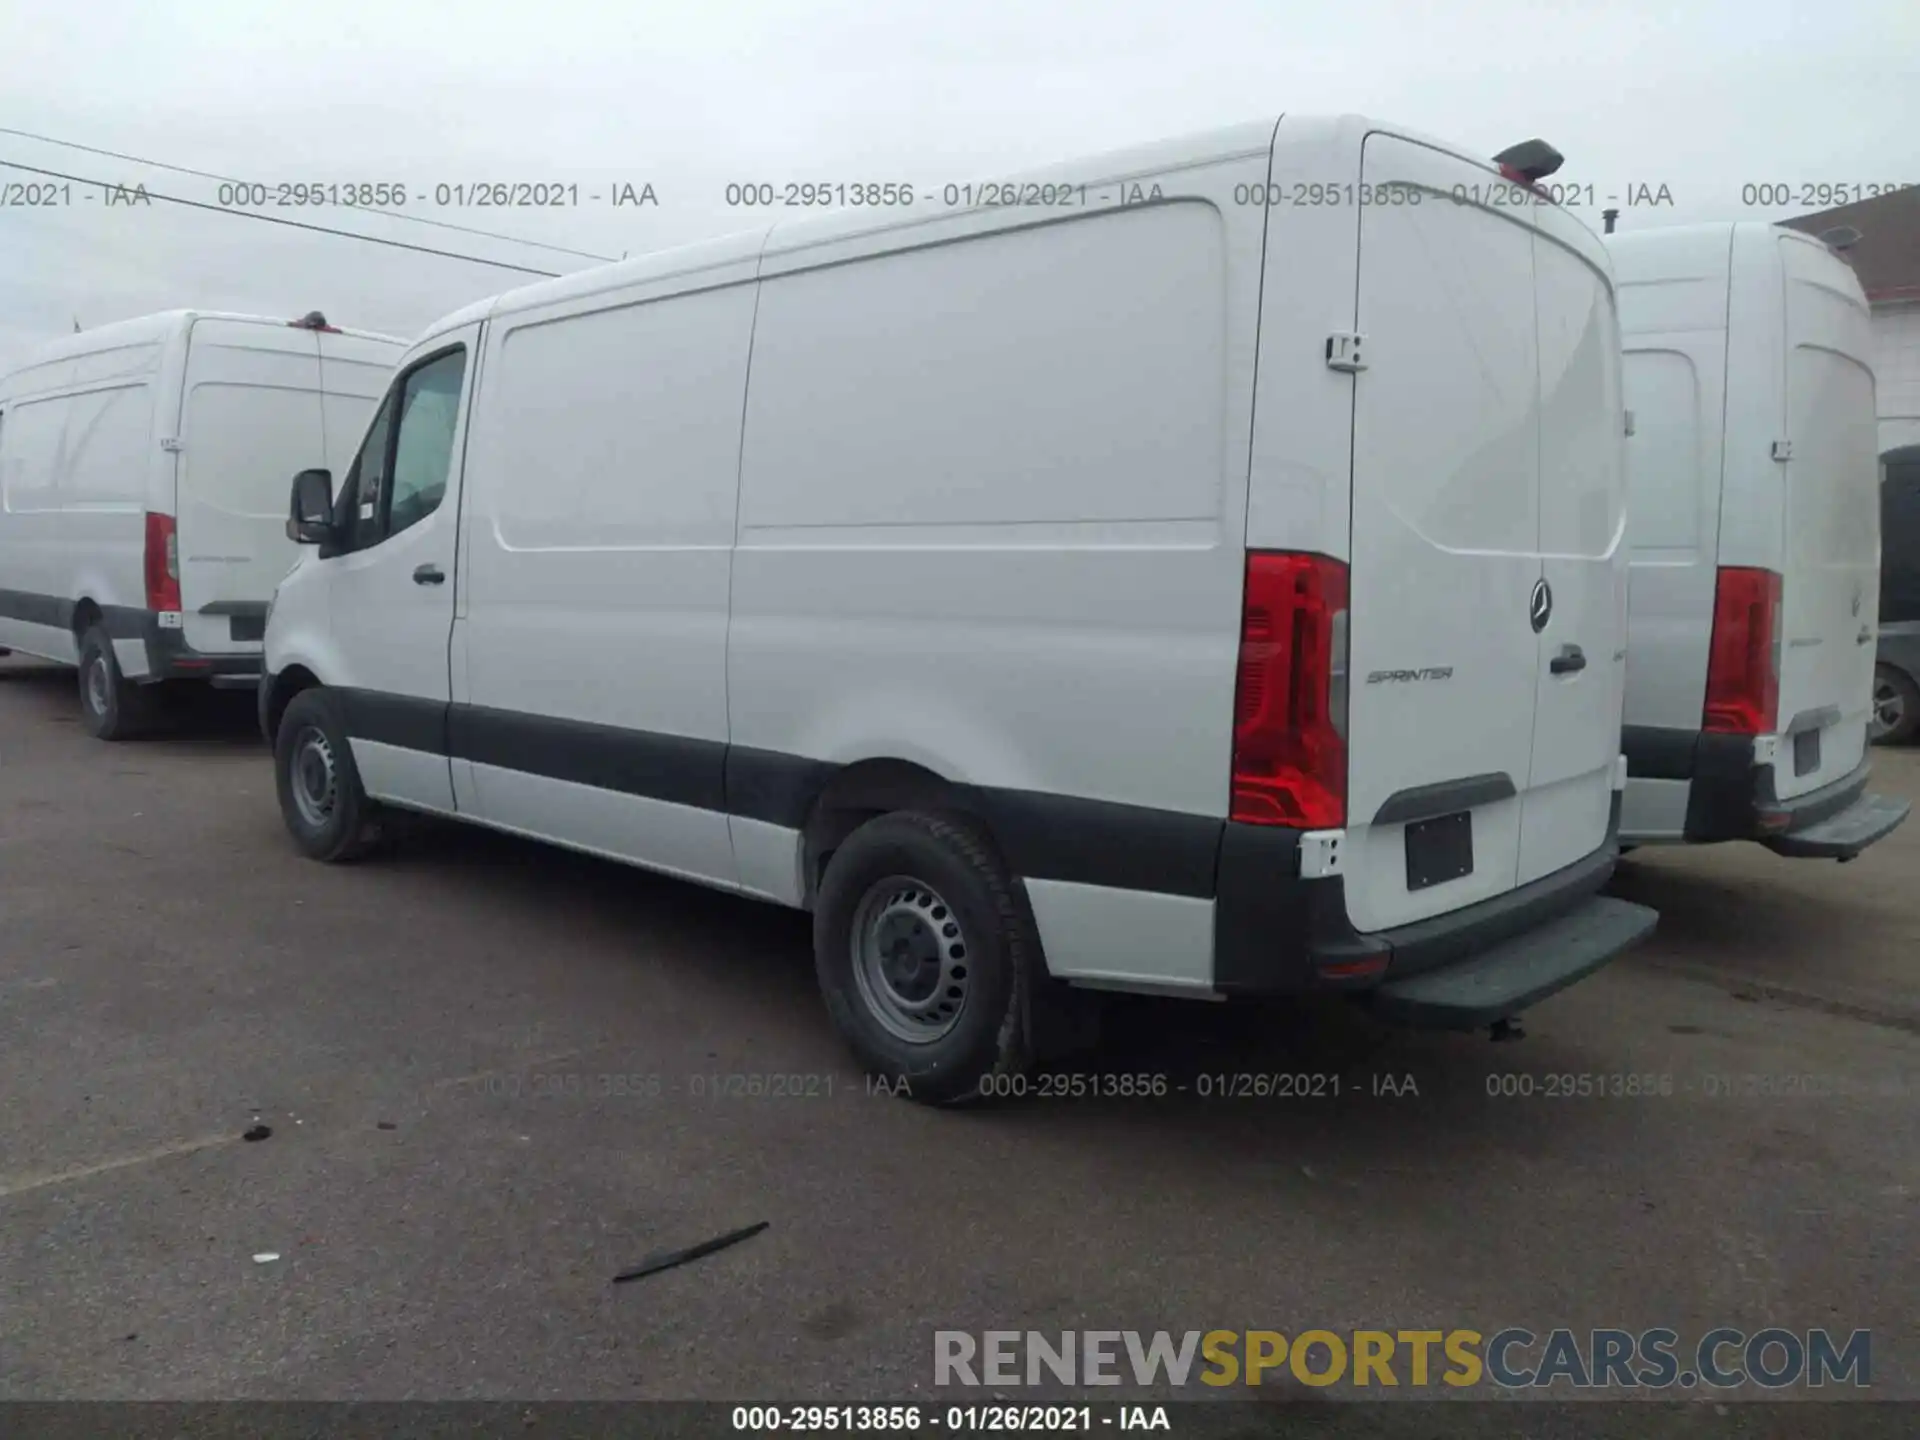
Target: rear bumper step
x=1517, y=973
x=1278, y=934
x=1730, y=797
x=1845, y=834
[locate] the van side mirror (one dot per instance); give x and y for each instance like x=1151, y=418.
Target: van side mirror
x=310, y=510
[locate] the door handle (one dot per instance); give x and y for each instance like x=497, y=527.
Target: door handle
x=428, y=575
x=1570, y=661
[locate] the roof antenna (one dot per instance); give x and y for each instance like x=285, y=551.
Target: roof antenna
x=1841, y=238
x=76, y=324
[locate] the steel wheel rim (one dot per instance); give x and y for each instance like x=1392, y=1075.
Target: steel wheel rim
x=99, y=688
x=910, y=960
x=313, y=777
x=1888, y=708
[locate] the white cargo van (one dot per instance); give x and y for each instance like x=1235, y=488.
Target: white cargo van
x=1755, y=539
x=143, y=470
x=950, y=575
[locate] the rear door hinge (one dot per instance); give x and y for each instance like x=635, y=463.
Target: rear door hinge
x=1343, y=352
x=1783, y=449
x=172, y=444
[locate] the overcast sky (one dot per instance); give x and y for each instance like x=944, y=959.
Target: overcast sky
x=1701, y=98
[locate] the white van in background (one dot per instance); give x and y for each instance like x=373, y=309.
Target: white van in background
x=1755, y=534
x=143, y=473
x=951, y=575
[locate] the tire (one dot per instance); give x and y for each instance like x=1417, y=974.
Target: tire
x=1895, y=719
x=113, y=707
x=321, y=799
x=913, y=907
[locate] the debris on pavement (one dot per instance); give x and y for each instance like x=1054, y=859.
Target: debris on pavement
x=257, y=1132
x=266, y=1257
x=667, y=1259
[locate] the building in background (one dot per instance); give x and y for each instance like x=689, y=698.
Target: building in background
x=1887, y=260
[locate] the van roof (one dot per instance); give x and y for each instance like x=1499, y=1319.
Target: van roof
x=1668, y=251
x=162, y=325
x=1155, y=158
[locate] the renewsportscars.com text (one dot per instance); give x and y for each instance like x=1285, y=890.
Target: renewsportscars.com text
x=1515, y=1359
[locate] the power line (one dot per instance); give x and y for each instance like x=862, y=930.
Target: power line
x=279, y=220
x=234, y=180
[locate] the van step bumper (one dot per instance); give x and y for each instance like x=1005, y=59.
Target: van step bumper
x=1517, y=973
x=1846, y=834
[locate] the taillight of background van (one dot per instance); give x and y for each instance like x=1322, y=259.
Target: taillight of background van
x=162, y=563
x=1289, y=714
x=1743, y=662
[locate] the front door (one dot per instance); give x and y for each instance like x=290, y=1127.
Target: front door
x=392, y=591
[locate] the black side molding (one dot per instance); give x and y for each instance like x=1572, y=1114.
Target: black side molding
x=1428, y=802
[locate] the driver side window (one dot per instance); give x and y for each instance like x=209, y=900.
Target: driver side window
x=357, y=510
x=400, y=475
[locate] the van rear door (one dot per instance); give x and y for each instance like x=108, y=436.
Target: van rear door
x=1581, y=666
x=1831, y=537
x=250, y=418
x=1470, y=317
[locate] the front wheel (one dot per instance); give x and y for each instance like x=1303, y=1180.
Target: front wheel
x=1896, y=706
x=325, y=809
x=925, y=956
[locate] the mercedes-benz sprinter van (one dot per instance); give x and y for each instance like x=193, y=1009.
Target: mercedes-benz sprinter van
x=1755, y=534
x=143, y=474
x=1202, y=574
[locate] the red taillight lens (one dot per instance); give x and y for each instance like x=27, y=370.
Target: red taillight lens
x=1289, y=746
x=1743, y=663
x=162, y=564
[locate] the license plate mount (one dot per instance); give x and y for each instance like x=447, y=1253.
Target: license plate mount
x=1439, y=850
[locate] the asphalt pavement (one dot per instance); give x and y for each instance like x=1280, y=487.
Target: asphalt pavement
x=497, y=1074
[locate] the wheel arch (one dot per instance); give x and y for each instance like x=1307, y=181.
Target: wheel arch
x=289, y=682
x=865, y=790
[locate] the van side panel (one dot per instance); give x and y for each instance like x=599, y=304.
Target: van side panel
x=1674, y=339
x=78, y=474
x=604, y=463
x=33, y=582
x=992, y=492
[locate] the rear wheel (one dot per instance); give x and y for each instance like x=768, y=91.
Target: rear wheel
x=925, y=956
x=113, y=707
x=321, y=799
x=1896, y=706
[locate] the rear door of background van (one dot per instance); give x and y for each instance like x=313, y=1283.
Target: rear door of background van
x=1469, y=319
x=1831, y=584
x=250, y=418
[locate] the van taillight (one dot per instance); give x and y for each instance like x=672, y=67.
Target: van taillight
x=1289, y=713
x=1743, y=661
x=163, y=563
